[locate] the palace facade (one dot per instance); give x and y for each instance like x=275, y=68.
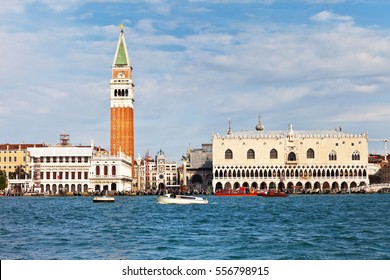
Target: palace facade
x=304, y=160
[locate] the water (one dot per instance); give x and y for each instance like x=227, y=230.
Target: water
x=296, y=227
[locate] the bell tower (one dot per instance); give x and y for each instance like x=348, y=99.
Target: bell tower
x=122, y=101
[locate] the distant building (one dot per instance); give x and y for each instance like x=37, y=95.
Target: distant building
x=155, y=174
x=64, y=168
x=60, y=169
x=380, y=166
x=15, y=156
x=199, y=168
x=319, y=160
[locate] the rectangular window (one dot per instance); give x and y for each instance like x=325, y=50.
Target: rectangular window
x=73, y=175
x=85, y=175
x=61, y=159
x=47, y=175
x=54, y=159
x=66, y=175
x=79, y=175
x=14, y=158
x=73, y=159
x=54, y=175
x=79, y=159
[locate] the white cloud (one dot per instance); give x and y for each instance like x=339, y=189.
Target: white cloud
x=325, y=16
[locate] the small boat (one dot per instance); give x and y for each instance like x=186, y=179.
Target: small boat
x=272, y=193
x=181, y=199
x=239, y=192
x=103, y=199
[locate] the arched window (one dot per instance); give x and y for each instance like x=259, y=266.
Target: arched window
x=250, y=154
x=113, y=170
x=332, y=155
x=97, y=170
x=310, y=153
x=291, y=157
x=355, y=155
x=126, y=92
x=105, y=170
x=273, y=154
x=115, y=92
x=228, y=154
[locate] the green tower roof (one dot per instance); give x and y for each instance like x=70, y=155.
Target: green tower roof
x=121, y=58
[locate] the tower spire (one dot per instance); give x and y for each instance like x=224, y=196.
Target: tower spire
x=121, y=57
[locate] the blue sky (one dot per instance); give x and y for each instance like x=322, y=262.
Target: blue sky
x=317, y=64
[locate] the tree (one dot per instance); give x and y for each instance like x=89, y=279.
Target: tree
x=3, y=180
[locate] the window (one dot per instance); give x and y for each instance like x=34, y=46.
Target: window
x=113, y=171
x=98, y=170
x=228, y=154
x=310, y=153
x=105, y=170
x=250, y=154
x=355, y=155
x=292, y=157
x=273, y=154
x=332, y=155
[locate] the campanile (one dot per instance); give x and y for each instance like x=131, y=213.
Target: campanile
x=121, y=102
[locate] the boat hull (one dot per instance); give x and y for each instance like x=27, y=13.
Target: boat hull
x=181, y=200
x=103, y=199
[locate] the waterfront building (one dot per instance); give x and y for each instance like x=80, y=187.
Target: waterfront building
x=199, y=168
x=60, y=169
x=15, y=157
x=304, y=160
x=64, y=168
x=121, y=102
x=14, y=160
x=155, y=174
x=111, y=173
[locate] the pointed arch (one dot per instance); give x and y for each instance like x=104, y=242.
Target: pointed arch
x=228, y=154
x=250, y=154
x=310, y=153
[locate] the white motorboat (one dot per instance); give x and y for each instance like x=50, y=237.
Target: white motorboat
x=181, y=199
x=103, y=199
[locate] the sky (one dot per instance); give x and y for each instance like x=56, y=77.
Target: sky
x=318, y=64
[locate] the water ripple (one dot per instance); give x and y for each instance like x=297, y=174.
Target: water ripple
x=296, y=227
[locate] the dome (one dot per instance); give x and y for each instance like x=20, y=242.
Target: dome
x=259, y=126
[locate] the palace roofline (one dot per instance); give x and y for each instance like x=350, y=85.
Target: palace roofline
x=250, y=134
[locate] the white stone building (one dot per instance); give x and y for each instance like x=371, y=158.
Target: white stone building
x=78, y=169
x=111, y=173
x=321, y=160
